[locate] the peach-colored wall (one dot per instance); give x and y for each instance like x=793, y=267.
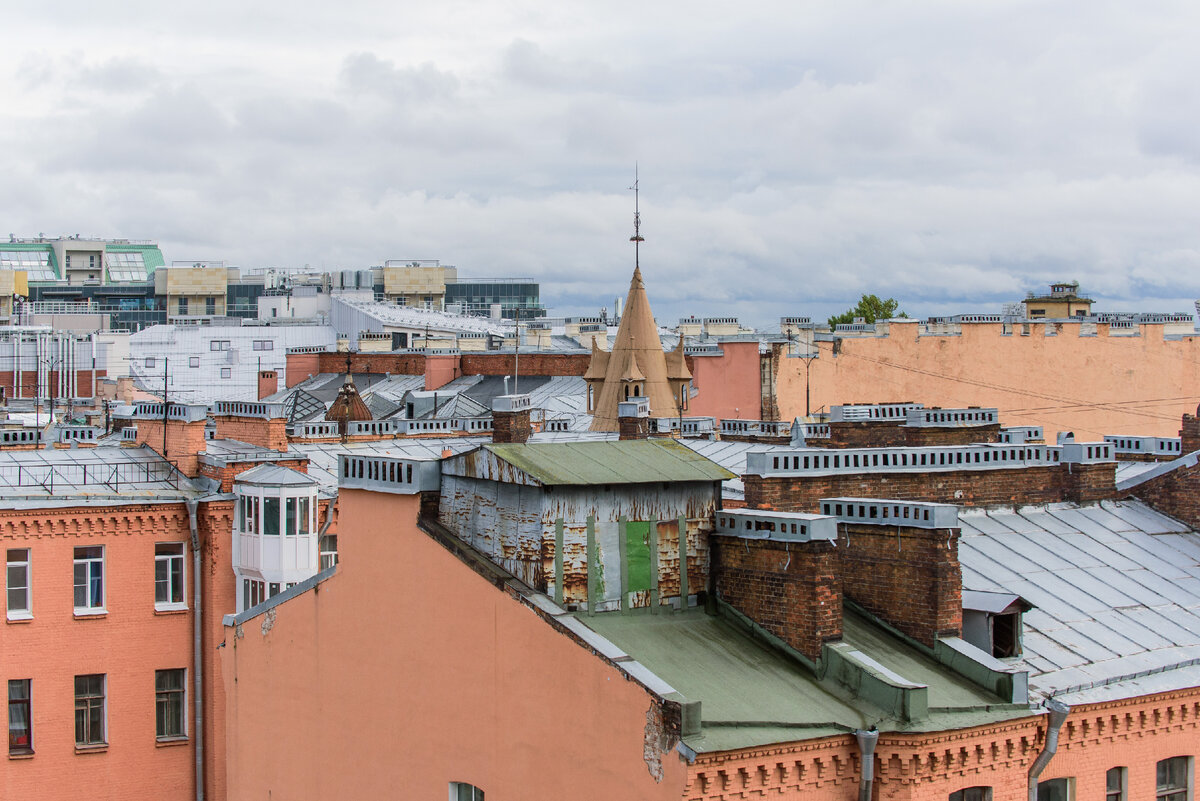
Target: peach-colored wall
x=407, y=670
x=728, y=386
x=127, y=645
x=1090, y=385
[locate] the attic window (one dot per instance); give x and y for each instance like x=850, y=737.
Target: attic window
x=1006, y=635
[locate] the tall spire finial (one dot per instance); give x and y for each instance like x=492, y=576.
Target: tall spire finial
x=636, y=239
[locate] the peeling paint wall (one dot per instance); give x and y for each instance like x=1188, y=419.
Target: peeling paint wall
x=516, y=525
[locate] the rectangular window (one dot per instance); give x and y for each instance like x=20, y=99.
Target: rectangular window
x=1174, y=781
x=170, y=704
x=289, y=519
x=253, y=593
x=219, y=344
x=1056, y=790
x=304, y=516
x=210, y=305
x=20, y=717
x=972, y=794
x=89, y=580
x=226, y=372
x=328, y=546
x=1115, y=783
x=271, y=517
x=193, y=361
x=89, y=710
x=16, y=579
x=182, y=305
x=168, y=575
x=149, y=362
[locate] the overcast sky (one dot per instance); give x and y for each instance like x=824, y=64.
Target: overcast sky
x=953, y=155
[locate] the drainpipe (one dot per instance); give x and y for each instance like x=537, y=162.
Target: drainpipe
x=198, y=672
x=1057, y=716
x=866, y=748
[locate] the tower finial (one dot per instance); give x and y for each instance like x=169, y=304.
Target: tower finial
x=636, y=239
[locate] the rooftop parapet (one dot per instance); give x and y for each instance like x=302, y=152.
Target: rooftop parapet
x=824, y=461
x=388, y=474
x=180, y=412
x=756, y=428
x=885, y=512
x=951, y=418
x=1016, y=435
x=871, y=412
x=260, y=409
x=760, y=524
x=1156, y=446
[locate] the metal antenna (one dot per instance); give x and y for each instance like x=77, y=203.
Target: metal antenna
x=636, y=239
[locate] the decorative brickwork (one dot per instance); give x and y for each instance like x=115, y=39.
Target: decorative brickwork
x=790, y=589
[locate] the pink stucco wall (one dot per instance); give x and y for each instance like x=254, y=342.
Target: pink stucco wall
x=408, y=670
x=728, y=386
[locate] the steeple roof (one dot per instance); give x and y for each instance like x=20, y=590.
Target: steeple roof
x=637, y=361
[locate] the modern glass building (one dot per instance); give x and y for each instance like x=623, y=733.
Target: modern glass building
x=478, y=295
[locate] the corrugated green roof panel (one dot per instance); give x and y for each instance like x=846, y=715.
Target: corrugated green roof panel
x=621, y=462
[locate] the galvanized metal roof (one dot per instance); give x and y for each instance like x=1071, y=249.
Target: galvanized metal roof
x=274, y=475
x=33, y=479
x=323, y=456
x=1117, y=591
x=642, y=461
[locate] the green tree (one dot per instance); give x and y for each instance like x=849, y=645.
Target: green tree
x=870, y=308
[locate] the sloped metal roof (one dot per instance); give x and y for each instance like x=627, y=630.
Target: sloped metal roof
x=1117, y=591
x=275, y=475
x=622, y=462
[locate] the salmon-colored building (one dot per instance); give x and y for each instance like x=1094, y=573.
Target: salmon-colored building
x=583, y=620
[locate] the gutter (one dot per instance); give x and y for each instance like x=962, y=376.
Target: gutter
x=866, y=748
x=1057, y=715
x=197, y=631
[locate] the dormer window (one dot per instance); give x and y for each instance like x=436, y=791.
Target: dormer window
x=992, y=622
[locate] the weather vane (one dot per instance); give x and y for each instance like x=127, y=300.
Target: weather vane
x=636, y=239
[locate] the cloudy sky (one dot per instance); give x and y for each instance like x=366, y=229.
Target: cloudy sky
x=792, y=155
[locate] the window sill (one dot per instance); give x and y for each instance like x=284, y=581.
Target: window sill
x=99, y=748
x=168, y=742
x=20, y=617
x=83, y=614
x=170, y=609
x=20, y=754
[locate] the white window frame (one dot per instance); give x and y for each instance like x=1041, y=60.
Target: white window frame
x=167, y=558
x=324, y=554
x=27, y=564
x=1189, y=779
x=91, y=563
x=463, y=791
x=183, y=702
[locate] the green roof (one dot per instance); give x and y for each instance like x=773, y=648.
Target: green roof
x=640, y=461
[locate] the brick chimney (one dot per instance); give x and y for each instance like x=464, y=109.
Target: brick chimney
x=184, y=432
x=633, y=418
x=257, y=423
x=899, y=561
x=510, y=418
x=786, y=583
x=1189, y=432
x=268, y=383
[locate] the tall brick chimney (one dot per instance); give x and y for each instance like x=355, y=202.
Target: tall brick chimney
x=510, y=418
x=781, y=573
x=176, y=434
x=633, y=418
x=899, y=561
x=268, y=383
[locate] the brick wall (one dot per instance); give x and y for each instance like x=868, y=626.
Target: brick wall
x=888, y=434
x=229, y=472
x=1176, y=493
x=1027, y=485
x=511, y=426
x=907, y=577
x=258, y=431
x=184, y=442
x=790, y=589
x=1189, y=432
x=29, y=383
x=268, y=383
x=530, y=363
x=633, y=427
